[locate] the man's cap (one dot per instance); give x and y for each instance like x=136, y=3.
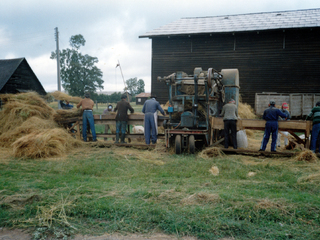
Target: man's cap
x=318, y=104
x=124, y=96
x=232, y=100
x=272, y=102
x=285, y=105
x=110, y=107
x=87, y=94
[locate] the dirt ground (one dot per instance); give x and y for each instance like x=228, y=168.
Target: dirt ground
x=6, y=234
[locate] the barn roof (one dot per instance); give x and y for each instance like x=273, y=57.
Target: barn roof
x=7, y=68
x=239, y=23
x=27, y=80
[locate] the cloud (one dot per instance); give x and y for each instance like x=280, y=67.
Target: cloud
x=111, y=29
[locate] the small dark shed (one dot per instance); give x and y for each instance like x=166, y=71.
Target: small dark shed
x=142, y=97
x=274, y=51
x=16, y=76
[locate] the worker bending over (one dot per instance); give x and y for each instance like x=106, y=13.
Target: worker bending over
x=230, y=117
x=87, y=117
x=150, y=109
x=271, y=115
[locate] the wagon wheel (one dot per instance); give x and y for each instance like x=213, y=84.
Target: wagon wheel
x=192, y=146
x=178, y=144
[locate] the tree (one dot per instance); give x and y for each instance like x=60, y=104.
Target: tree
x=140, y=88
x=134, y=86
x=78, y=72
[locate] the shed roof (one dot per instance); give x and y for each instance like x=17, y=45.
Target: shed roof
x=143, y=95
x=7, y=68
x=239, y=23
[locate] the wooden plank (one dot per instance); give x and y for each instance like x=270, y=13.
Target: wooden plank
x=258, y=124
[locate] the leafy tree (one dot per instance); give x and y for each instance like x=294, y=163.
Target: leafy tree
x=115, y=97
x=78, y=72
x=134, y=86
x=140, y=88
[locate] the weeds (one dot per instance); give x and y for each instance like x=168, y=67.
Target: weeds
x=106, y=192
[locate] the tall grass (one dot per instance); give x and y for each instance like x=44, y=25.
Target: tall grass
x=106, y=191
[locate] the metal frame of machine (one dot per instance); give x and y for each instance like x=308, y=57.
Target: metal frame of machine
x=196, y=98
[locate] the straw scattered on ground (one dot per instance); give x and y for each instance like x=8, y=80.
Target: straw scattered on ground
x=214, y=170
x=307, y=156
x=211, y=152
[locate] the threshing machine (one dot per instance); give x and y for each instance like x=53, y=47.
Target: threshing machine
x=193, y=99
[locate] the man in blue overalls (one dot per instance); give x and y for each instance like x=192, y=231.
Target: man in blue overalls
x=150, y=109
x=271, y=115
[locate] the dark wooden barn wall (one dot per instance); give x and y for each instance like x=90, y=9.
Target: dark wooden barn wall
x=23, y=79
x=268, y=61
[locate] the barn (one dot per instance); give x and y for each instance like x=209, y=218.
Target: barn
x=16, y=76
x=273, y=51
x=142, y=97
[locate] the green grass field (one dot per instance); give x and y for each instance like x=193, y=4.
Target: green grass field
x=122, y=190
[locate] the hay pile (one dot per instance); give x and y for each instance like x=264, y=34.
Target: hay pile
x=63, y=96
x=27, y=127
x=307, y=156
x=211, y=152
x=245, y=111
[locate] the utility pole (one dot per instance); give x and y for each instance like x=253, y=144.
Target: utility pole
x=58, y=64
x=58, y=59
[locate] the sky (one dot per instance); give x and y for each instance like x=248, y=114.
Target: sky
x=111, y=29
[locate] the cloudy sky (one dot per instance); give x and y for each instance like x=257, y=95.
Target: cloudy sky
x=111, y=29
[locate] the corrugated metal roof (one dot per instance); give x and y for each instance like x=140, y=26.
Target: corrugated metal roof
x=240, y=23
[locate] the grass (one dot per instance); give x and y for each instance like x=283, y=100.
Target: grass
x=115, y=190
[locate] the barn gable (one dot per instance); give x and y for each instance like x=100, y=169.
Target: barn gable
x=274, y=52
x=17, y=76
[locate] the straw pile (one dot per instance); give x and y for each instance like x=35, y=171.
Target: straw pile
x=61, y=114
x=27, y=125
x=43, y=144
x=20, y=107
x=245, y=111
x=307, y=156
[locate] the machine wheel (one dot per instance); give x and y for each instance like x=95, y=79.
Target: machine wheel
x=178, y=144
x=192, y=146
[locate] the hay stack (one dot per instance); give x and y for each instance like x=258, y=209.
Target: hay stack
x=63, y=96
x=20, y=107
x=27, y=125
x=43, y=144
x=30, y=125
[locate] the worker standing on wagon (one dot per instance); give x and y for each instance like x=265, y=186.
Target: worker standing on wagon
x=230, y=117
x=271, y=115
x=150, y=109
x=284, y=109
x=315, y=116
x=87, y=117
x=122, y=118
